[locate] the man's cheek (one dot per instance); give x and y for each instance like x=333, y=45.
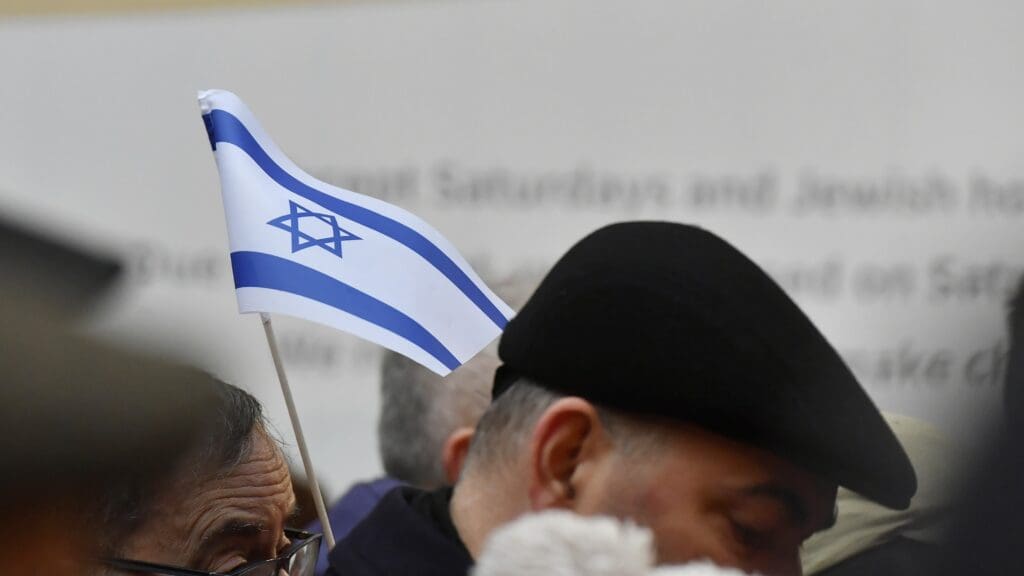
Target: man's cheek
x=680, y=538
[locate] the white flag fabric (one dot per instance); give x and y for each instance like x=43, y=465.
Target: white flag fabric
x=304, y=248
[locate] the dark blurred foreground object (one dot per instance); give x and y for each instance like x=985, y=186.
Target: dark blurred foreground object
x=1014, y=391
x=49, y=274
x=73, y=407
x=988, y=526
x=76, y=414
x=984, y=526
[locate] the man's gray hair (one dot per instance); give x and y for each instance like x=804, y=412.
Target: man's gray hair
x=420, y=410
x=506, y=426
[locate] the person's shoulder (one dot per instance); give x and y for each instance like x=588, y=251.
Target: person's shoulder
x=400, y=536
x=389, y=514
x=375, y=488
x=347, y=562
x=363, y=496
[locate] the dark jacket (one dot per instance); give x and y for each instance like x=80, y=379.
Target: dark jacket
x=350, y=510
x=409, y=532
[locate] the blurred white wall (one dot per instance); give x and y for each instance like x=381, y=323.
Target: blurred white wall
x=868, y=153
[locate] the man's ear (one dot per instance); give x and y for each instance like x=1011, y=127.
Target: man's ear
x=454, y=454
x=567, y=437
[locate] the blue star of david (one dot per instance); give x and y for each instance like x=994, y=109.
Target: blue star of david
x=300, y=240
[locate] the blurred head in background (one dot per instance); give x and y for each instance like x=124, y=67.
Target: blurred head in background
x=224, y=507
x=426, y=421
x=80, y=418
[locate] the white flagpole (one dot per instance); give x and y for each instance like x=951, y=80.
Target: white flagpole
x=307, y=463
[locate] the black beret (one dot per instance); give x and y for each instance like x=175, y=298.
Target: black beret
x=670, y=320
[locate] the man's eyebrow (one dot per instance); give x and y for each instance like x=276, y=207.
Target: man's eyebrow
x=234, y=527
x=789, y=499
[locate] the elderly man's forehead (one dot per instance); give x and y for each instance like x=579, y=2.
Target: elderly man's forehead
x=262, y=464
x=254, y=494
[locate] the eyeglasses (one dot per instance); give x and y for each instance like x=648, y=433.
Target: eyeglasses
x=298, y=560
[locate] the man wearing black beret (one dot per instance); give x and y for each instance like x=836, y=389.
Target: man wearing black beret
x=656, y=374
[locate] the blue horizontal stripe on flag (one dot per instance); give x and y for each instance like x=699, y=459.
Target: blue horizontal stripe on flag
x=225, y=127
x=259, y=270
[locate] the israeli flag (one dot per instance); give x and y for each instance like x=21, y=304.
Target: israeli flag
x=308, y=249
